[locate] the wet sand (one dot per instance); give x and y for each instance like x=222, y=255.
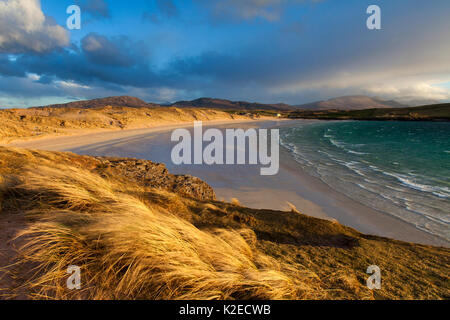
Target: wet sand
x=308, y=194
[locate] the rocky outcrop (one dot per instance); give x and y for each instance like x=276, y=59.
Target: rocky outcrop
x=156, y=175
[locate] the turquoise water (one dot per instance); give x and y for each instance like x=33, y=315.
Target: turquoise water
x=400, y=168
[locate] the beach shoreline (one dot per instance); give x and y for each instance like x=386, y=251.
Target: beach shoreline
x=310, y=195
x=54, y=142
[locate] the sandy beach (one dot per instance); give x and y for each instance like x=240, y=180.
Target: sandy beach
x=308, y=194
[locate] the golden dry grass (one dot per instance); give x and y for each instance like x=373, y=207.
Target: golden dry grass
x=26, y=123
x=293, y=208
x=128, y=250
x=235, y=201
x=134, y=242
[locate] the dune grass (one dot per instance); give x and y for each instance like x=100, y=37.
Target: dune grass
x=31, y=123
x=138, y=242
x=128, y=250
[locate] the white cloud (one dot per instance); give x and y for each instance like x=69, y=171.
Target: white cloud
x=71, y=85
x=407, y=89
x=25, y=28
x=409, y=93
x=33, y=76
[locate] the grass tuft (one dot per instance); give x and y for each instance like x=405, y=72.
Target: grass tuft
x=128, y=250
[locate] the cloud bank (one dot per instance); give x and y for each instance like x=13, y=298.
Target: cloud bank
x=267, y=50
x=25, y=28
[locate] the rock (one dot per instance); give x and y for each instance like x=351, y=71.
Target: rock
x=156, y=175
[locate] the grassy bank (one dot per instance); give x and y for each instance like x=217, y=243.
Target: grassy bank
x=135, y=240
x=38, y=122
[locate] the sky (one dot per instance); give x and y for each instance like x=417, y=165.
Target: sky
x=270, y=51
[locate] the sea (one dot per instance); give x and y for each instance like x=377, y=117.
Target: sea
x=399, y=168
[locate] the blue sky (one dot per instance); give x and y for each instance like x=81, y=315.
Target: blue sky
x=292, y=51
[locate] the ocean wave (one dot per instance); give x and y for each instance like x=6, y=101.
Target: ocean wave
x=345, y=146
x=337, y=143
x=294, y=149
x=411, y=206
x=437, y=219
x=325, y=153
x=441, y=191
x=356, y=152
x=412, y=196
x=441, y=195
x=367, y=188
x=394, y=188
x=352, y=166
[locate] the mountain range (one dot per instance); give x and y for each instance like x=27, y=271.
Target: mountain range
x=352, y=103
x=231, y=105
x=340, y=103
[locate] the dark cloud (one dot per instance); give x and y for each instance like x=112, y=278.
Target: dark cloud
x=166, y=9
x=292, y=61
x=117, y=51
x=101, y=61
x=45, y=79
x=69, y=66
x=150, y=17
x=96, y=8
x=8, y=67
x=26, y=88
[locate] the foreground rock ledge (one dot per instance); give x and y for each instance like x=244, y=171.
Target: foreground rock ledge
x=156, y=175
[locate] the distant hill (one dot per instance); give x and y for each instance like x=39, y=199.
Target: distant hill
x=122, y=101
x=230, y=105
x=341, y=103
x=351, y=103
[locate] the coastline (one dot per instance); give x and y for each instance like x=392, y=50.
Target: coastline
x=308, y=194
x=76, y=138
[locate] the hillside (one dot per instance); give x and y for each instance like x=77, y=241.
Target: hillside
x=351, y=103
x=230, y=105
x=38, y=122
x=341, y=103
x=134, y=239
x=121, y=101
x=437, y=112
